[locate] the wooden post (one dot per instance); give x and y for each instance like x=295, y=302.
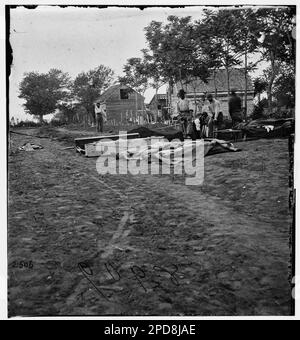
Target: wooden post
x=136, y=104
x=246, y=87
x=156, y=103
x=215, y=85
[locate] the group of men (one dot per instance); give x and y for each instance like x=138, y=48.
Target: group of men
x=208, y=120
x=210, y=117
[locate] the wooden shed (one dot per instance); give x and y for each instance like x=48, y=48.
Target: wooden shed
x=123, y=104
x=158, y=107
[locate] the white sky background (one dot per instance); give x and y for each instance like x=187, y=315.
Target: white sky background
x=79, y=39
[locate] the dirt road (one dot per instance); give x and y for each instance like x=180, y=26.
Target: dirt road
x=84, y=244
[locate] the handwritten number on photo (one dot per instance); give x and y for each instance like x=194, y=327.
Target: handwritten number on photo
x=113, y=272
x=22, y=264
x=139, y=274
x=170, y=273
x=87, y=271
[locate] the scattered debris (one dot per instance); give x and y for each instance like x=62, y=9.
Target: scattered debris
x=269, y=127
x=80, y=150
x=68, y=148
x=30, y=147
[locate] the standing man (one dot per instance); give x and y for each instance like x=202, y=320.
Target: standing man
x=235, y=108
x=100, y=113
x=183, y=110
x=213, y=114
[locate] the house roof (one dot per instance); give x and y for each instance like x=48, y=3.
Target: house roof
x=236, y=80
x=109, y=92
x=160, y=96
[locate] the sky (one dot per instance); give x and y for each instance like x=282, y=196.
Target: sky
x=79, y=39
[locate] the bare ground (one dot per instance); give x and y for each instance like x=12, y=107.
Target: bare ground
x=148, y=245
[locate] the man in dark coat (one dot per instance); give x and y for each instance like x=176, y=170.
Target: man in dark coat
x=235, y=108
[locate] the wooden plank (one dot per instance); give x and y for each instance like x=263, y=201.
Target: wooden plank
x=81, y=142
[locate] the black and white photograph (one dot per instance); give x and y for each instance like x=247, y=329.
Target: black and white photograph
x=150, y=160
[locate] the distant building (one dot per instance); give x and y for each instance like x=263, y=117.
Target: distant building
x=198, y=88
x=123, y=103
x=158, y=106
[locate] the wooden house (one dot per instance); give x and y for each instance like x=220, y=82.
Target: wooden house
x=123, y=104
x=158, y=106
x=218, y=88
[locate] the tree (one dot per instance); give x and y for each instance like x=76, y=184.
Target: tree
x=277, y=44
x=260, y=85
x=88, y=86
x=173, y=49
x=248, y=32
x=174, y=52
x=212, y=51
x=220, y=34
x=135, y=75
x=154, y=78
x=66, y=112
x=259, y=108
x=284, y=86
x=43, y=91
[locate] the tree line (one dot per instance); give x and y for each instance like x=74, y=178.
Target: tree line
x=44, y=93
x=183, y=51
